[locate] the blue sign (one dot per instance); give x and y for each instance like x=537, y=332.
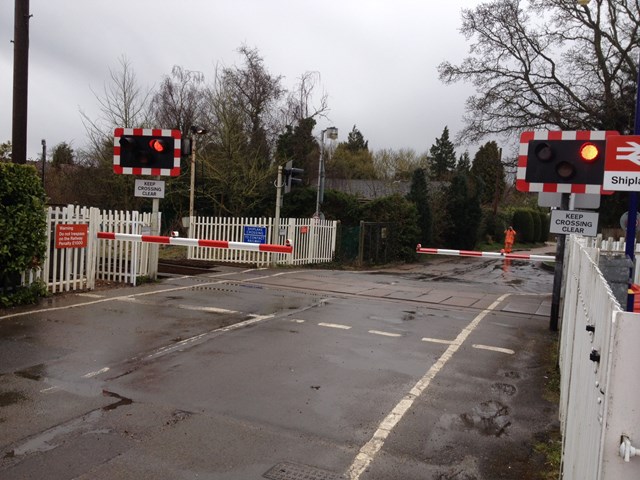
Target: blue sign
x=255, y=234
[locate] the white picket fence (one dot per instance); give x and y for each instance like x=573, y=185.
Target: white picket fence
x=598, y=360
x=67, y=269
x=314, y=241
x=79, y=268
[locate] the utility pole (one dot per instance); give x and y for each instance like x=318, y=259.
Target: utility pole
x=20, y=81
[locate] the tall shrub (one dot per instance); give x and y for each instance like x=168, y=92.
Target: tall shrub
x=523, y=224
x=23, y=224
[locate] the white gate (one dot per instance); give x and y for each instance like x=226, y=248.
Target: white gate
x=599, y=381
x=314, y=241
x=70, y=268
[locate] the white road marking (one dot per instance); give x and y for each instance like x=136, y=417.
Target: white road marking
x=437, y=340
x=96, y=373
x=372, y=447
x=334, y=325
x=90, y=295
x=385, y=334
x=182, y=344
x=133, y=296
x=297, y=320
x=495, y=349
x=207, y=309
x=50, y=389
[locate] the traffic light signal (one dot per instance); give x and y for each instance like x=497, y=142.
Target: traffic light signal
x=566, y=162
x=146, y=151
x=291, y=176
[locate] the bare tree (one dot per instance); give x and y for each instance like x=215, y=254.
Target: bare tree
x=123, y=103
x=548, y=63
x=179, y=100
x=300, y=101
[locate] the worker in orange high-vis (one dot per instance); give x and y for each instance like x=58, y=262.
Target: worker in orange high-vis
x=509, y=239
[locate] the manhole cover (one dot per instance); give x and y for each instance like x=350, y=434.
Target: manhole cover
x=293, y=471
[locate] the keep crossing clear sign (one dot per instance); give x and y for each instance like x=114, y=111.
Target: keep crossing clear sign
x=574, y=222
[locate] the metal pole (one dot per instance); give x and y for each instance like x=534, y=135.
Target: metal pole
x=192, y=184
x=155, y=230
x=44, y=158
x=275, y=236
x=320, y=175
x=557, y=273
x=630, y=238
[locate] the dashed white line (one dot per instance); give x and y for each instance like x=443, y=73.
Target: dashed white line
x=96, y=373
x=508, y=351
x=437, y=340
x=335, y=325
x=385, y=334
x=368, y=452
x=206, y=309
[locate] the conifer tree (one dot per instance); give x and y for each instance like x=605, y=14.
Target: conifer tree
x=443, y=157
x=419, y=195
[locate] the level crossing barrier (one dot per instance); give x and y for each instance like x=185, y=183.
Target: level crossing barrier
x=195, y=242
x=496, y=255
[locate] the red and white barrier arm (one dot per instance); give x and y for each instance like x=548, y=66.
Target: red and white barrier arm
x=194, y=242
x=471, y=253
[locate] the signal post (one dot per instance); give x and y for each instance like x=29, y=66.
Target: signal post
x=565, y=162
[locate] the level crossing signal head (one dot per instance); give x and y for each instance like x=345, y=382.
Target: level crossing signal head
x=142, y=151
x=566, y=161
x=292, y=176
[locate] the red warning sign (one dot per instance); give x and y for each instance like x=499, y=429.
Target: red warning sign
x=71, y=235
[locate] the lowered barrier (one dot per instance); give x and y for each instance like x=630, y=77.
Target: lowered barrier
x=496, y=255
x=195, y=242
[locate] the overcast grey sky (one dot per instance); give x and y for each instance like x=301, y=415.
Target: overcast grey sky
x=377, y=58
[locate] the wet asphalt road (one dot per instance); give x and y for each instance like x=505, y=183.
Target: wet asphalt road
x=424, y=372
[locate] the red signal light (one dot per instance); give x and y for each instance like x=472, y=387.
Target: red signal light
x=157, y=145
x=589, y=152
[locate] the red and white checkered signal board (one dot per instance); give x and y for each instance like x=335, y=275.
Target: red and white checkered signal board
x=147, y=132
x=586, y=135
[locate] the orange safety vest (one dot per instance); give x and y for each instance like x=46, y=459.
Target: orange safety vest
x=510, y=235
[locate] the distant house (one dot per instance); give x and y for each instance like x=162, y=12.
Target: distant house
x=368, y=189
x=372, y=189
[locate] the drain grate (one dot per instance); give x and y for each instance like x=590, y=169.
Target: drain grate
x=294, y=471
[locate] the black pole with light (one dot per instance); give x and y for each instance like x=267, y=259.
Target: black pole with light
x=630, y=241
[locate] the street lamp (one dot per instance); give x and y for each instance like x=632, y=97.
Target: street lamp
x=332, y=133
x=195, y=130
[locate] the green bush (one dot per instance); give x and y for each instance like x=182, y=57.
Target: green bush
x=403, y=214
x=523, y=224
x=23, y=226
x=545, y=225
x=537, y=226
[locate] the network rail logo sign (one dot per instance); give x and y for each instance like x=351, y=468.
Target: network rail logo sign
x=622, y=163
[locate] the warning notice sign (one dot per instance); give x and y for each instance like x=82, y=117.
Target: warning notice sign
x=71, y=235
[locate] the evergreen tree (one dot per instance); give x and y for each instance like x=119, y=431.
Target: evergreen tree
x=464, y=213
x=298, y=144
x=464, y=163
x=419, y=195
x=356, y=141
x=62, y=154
x=351, y=160
x=488, y=167
x=443, y=157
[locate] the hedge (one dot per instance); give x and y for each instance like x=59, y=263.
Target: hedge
x=23, y=226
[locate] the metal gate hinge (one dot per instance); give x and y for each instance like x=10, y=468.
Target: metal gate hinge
x=627, y=450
